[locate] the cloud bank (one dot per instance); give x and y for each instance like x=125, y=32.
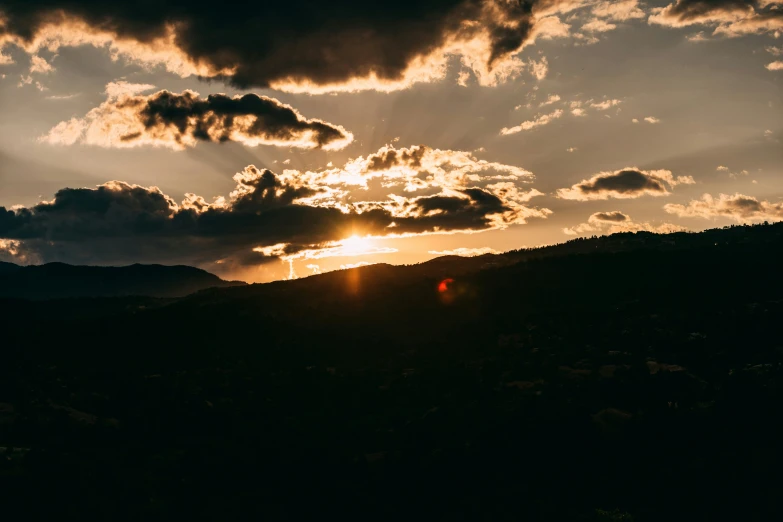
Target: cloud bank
x=271, y=216
x=298, y=45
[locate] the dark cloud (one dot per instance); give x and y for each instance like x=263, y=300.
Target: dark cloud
x=389, y=157
x=624, y=184
x=118, y=222
x=293, y=42
x=686, y=10
x=448, y=212
x=613, y=217
x=181, y=120
x=732, y=17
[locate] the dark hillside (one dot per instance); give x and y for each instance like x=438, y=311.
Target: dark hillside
x=59, y=280
x=607, y=382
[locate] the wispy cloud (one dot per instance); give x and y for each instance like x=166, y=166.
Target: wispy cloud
x=544, y=119
x=604, y=105
x=62, y=96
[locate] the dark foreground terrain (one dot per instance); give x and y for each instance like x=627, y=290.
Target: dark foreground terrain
x=636, y=377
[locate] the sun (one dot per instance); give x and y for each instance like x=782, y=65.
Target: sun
x=357, y=245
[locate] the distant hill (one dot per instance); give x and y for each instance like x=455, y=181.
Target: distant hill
x=8, y=268
x=615, y=243
x=60, y=280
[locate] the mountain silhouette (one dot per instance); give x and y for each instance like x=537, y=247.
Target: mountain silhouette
x=60, y=280
x=630, y=377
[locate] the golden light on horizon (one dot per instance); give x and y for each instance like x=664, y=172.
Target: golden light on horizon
x=356, y=245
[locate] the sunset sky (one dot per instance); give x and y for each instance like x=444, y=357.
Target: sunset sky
x=261, y=141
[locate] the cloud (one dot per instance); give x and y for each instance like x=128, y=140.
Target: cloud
x=611, y=217
x=738, y=207
x=730, y=18
x=616, y=221
x=775, y=66
x=349, y=247
x=544, y=119
x=606, y=104
x=11, y=251
x=298, y=45
x=552, y=98
x=604, y=16
x=270, y=217
x=624, y=184
x=688, y=12
x=598, y=26
x=698, y=37
x=177, y=121
x=582, y=39
x=39, y=65
x=576, y=108
x=733, y=175
x=618, y=10
x=652, y=119
x=465, y=252
x=62, y=96
x=418, y=168
x=540, y=68
x=5, y=59
x=348, y=266
x=122, y=88
x=263, y=220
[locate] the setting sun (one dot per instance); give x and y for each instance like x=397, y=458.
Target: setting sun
x=357, y=245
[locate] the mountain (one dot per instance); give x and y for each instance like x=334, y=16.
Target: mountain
x=635, y=377
x=8, y=268
x=59, y=280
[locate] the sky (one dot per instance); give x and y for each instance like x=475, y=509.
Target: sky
x=264, y=142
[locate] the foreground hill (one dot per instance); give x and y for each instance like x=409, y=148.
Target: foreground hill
x=641, y=381
x=59, y=280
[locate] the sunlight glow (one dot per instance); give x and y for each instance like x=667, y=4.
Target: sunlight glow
x=357, y=246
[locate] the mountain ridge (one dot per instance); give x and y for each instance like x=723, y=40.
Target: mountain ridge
x=62, y=280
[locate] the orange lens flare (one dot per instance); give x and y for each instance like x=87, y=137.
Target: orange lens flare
x=444, y=285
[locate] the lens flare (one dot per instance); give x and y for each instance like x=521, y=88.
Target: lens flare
x=444, y=285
